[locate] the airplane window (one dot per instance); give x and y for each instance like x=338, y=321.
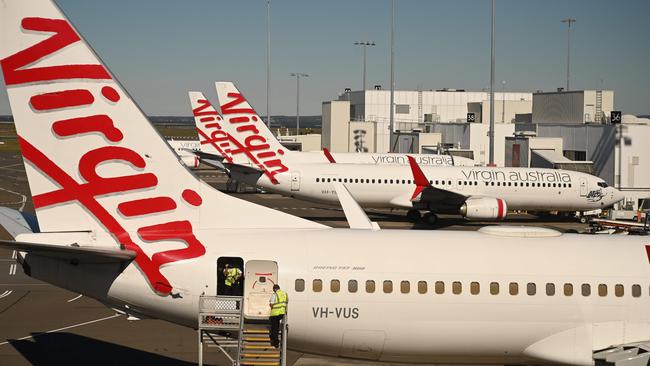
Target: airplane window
x=602, y=184
x=568, y=289
x=586, y=289
x=317, y=180
x=432, y=183
x=373, y=181
x=550, y=289
x=352, y=286
x=440, y=287
x=569, y=185
x=515, y=184
x=345, y=180
x=486, y=183
x=449, y=182
x=531, y=289
x=460, y=183
x=636, y=290
x=379, y=181
x=317, y=286
x=554, y=185
x=498, y=184
x=509, y=184
x=474, y=288
x=408, y=181
x=619, y=290
x=385, y=181
x=456, y=288
x=494, y=288
x=602, y=290
x=335, y=285
x=527, y=184
x=388, y=287
x=491, y=183
x=403, y=181
x=370, y=286
x=405, y=287
x=391, y=181
x=328, y=180
x=442, y=182
x=544, y=185
x=300, y=285
x=514, y=288
x=422, y=287
x=356, y=181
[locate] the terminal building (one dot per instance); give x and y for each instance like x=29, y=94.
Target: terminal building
x=559, y=129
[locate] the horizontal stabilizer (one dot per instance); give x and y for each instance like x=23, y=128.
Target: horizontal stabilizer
x=74, y=254
x=357, y=218
x=213, y=160
x=15, y=222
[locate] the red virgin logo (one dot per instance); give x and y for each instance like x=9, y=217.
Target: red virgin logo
x=86, y=192
x=251, y=144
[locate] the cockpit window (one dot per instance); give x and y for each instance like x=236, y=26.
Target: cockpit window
x=602, y=184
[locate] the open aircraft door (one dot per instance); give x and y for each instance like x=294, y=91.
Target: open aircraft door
x=258, y=287
x=295, y=181
x=583, y=187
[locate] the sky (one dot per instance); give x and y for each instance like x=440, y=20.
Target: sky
x=160, y=49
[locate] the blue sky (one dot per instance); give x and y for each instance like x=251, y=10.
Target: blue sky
x=160, y=49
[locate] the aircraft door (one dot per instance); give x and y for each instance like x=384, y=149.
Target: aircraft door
x=583, y=187
x=258, y=287
x=295, y=181
x=224, y=264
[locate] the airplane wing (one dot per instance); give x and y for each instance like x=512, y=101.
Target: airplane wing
x=357, y=218
x=72, y=253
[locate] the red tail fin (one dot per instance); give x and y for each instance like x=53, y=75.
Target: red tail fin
x=419, y=178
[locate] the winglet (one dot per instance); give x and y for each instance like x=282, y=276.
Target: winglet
x=329, y=156
x=419, y=178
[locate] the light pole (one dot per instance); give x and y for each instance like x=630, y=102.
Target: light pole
x=568, y=21
x=364, y=44
x=268, y=62
x=491, y=133
x=503, y=101
x=298, y=75
x=391, y=121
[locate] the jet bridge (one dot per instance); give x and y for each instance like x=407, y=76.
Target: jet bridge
x=238, y=326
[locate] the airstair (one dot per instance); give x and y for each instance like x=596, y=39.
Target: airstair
x=238, y=326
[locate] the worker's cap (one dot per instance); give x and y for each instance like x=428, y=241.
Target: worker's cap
x=276, y=287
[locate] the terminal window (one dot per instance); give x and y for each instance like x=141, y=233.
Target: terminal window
x=402, y=109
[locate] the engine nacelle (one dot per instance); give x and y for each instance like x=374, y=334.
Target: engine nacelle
x=484, y=208
x=190, y=161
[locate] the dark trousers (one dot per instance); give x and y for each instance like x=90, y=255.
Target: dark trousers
x=228, y=290
x=275, y=329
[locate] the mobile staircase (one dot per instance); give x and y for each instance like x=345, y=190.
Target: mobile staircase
x=243, y=341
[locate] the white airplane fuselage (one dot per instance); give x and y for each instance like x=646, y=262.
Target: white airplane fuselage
x=393, y=187
x=465, y=322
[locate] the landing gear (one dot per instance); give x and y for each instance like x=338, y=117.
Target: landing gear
x=430, y=218
x=413, y=215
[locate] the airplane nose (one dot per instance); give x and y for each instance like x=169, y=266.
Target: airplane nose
x=617, y=195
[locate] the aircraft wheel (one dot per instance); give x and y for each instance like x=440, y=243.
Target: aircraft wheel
x=583, y=219
x=413, y=215
x=430, y=218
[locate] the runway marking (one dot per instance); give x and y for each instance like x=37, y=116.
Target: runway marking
x=14, y=254
x=71, y=300
x=64, y=328
x=6, y=293
x=22, y=201
x=12, y=269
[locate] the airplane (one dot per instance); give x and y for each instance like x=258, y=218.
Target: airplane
x=186, y=151
x=122, y=221
x=205, y=115
x=473, y=192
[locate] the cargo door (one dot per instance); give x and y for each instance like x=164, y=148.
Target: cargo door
x=258, y=288
x=295, y=181
x=583, y=187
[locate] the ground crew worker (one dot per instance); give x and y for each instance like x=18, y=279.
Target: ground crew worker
x=278, y=304
x=231, y=276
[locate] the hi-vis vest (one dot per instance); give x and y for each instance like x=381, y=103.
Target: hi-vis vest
x=280, y=304
x=231, y=276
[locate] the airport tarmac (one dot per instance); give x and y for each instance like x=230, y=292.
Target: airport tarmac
x=42, y=324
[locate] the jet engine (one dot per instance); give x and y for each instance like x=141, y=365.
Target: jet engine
x=484, y=208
